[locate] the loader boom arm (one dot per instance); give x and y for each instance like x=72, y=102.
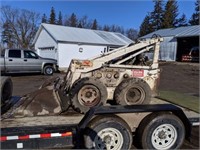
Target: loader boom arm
x=138, y=48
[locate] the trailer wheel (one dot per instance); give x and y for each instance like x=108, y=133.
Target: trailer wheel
x=108, y=132
x=161, y=131
x=87, y=93
x=48, y=70
x=132, y=91
x=6, y=89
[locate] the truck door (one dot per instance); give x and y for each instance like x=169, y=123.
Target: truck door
x=14, y=62
x=31, y=61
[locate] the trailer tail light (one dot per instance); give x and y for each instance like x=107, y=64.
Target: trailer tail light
x=35, y=136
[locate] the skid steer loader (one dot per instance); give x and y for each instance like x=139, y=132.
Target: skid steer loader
x=125, y=76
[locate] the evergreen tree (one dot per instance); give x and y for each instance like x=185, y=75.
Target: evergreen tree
x=170, y=14
x=182, y=21
x=157, y=15
x=194, y=20
x=94, y=25
x=72, y=20
x=44, y=18
x=60, y=22
x=52, y=19
x=146, y=26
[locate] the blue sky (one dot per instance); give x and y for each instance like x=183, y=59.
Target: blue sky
x=128, y=14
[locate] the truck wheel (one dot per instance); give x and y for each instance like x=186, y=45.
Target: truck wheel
x=48, y=70
x=108, y=132
x=132, y=91
x=87, y=93
x=6, y=89
x=161, y=131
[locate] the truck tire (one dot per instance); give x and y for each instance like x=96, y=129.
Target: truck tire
x=161, y=131
x=48, y=70
x=132, y=91
x=108, y=132
x=87, y=93
x=6, y=89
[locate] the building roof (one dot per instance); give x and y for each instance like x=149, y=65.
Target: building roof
x=177, y=32
x=80, y=35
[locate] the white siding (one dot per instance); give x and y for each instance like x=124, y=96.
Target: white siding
x=43, y=45
x=67, y=52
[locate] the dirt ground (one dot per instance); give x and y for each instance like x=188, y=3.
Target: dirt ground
x=179, y=77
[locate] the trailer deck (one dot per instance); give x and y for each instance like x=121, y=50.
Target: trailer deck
x=72, y=117
x=64, y=130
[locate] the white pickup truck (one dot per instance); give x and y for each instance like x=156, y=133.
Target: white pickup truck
x=22, y=61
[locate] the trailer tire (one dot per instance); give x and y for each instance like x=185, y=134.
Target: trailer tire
x=108, y=132
x=48, y=70
x=132, y=91
x=6, y=89
x=87, y=93
x=161, y=131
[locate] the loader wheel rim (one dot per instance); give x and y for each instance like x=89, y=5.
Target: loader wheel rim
x=164, y=136
x=135, y=95
x=89, y=95
x=109, y=138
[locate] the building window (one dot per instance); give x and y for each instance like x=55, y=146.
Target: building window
x=80, y=49
x=47, y=48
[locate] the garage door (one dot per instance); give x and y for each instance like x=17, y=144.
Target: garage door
x=49, y=52
x=185, y=44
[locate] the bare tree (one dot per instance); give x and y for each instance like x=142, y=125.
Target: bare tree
x=87, y=24
x=21, y=23
x=132, y=34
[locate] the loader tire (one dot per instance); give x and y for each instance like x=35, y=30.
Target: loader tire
x=107, y=132
x=6, y=89
x=132, y=91
x=87, y=93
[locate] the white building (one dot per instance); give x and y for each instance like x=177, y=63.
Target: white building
x=65, y=43
x=177, y=41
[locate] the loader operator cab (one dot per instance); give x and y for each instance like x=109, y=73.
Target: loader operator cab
x=140, y=59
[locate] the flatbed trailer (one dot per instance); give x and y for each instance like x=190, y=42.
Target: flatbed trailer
x=100, y=126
